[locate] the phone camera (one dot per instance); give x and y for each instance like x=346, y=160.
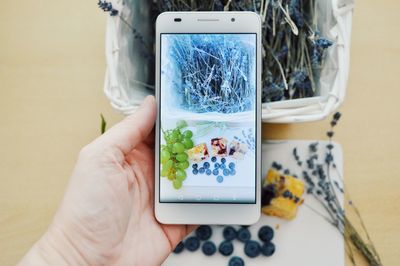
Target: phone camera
x=233, y=19
x=177, y=19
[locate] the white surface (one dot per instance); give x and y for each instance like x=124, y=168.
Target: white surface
x=306, y=241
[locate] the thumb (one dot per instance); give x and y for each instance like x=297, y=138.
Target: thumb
x=133, y=129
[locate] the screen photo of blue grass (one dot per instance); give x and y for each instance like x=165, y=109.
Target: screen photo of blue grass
x=205, y=73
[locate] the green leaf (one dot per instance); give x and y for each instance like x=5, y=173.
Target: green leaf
x=103, y=124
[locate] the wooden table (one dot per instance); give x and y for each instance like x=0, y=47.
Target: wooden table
x=51, y=76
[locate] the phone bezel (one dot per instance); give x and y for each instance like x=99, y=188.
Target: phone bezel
x=209, y=213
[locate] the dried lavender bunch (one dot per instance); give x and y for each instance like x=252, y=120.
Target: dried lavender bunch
x=328, y=192
x=214, y=71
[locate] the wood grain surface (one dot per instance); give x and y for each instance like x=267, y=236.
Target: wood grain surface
x=51, y=76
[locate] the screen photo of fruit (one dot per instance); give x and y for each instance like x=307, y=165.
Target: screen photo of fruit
x=208, y=118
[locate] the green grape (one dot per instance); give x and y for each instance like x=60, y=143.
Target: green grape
x=188, y=134
x=164, y=172
x=181, y=157
x=180, y=174
x=165, y=155
x=168, y=165
x=177, y=184
x=171, y=176
x=178, y=148
x=181, y=124
x=188, y=143
x=183, y=165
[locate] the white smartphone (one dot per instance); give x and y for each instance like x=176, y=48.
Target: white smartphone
x=208, y=131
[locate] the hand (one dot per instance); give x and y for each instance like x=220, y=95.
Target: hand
x=107, y=213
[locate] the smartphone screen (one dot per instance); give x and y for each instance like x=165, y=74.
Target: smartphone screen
x=207, y=112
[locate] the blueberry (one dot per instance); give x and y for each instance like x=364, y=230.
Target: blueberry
x=206, y=165
x=215, y=172
x=226, y=172
x=236, y=261
x=231, y=165
x=268, y=249
x=179, y=248
x=229, y=233
x=203, y=232
x=216, y=165
x=195, y=171
x=226, y=248
x=192, y=243
x=202, y=170
x=223, y=166
x=266, y=233
x=223, y=160
x=220, y=179
x=195, y=166
x=232, y=172
x=213, y=159
x=209, y=248
x=243, y=235
x=252, y=249
x=208, y=172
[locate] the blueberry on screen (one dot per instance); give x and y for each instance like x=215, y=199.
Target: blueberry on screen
x=226, y=172
x=179, y=248
x=243, y=235
x=192, y=243
x=195, y=166
x=213, y=159
x=236, y=261
x=268, y=249
x=209, y=248
x=208, y=172
x=215, y=172
x=202, y=170
x=231, y=165
x=252, y=249
x=266, y=233
x=203, y=232
x=229, y=233
x=206, y=165
x=195, y=171
x=226, y=248
x=223, y=160
x=220, y=179
x=232, y=172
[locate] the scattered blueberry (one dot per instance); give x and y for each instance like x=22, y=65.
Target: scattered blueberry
x=232, y=172
x=192, y=243
x=226, y=172
x=216, y=165
x=236, y=261
x=220, y=179
x=266, y=233
x=223, y=160
x=206, y=165
x=195, y=166
x=243, y=235
x=202, y=170
x=213, y=159
x=179, y=248
x=195, y=171
x=268, y=249
x=252, y=249
x=215, y=172
x=231, y=165
x=204, y=232
x=226, y=248
x=229, y=233
x=223, y=166
x=209, y=248
x=208, y=172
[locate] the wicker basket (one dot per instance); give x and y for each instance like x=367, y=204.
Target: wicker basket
x=128, y=72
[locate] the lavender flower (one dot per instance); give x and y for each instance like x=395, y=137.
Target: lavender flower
x=107, y=7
